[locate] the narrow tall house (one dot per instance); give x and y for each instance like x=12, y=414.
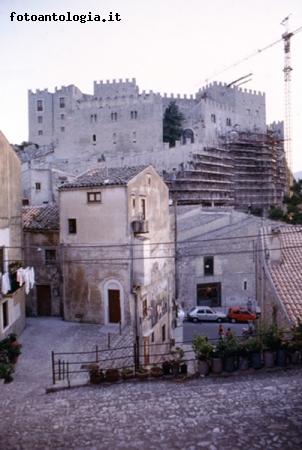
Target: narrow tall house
x=116, y=251
x=12, y=297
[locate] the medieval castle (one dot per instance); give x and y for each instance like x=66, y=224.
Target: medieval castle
x=227, y=155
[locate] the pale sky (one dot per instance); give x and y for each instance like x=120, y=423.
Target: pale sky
x=167, y=45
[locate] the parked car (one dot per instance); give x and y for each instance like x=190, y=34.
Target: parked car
x=205, y=313
x=238, y=314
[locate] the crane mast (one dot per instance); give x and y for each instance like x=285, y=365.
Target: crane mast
x=286, y=36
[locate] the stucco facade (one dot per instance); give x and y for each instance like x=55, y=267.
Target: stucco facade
x=115, y=267
x=42, y=251
x=12, y=304
x=216, y=262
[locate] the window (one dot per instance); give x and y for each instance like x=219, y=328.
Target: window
x=62, y=116
x=94, y=138
x=25, y=202
x=114, y=116
x=163, y=333
x=133, y=202
x=38, y=186
x=213, y=118
x=62, y=102
x=152, y=337
x=133, y=115
x=149, y=180
x=72, y=226
x=62, y=129
x=40, y=119
x=39, y=105
x=228, y=122
x=50, y=256
x=114, y=138
x=143, y=208
x=245, y=285
x=145, y=308
x=40, y=132
x=94, y=197
x=208, y=265
x=5, y=314
x=134, y=137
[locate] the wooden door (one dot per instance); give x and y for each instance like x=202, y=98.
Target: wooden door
x=114, y=305
x=43, y=300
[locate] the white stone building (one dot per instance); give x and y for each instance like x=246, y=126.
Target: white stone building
x=216, y=257
x=12, y=298
x=116, y=267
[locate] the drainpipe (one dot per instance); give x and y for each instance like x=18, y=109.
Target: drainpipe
x=134, y=290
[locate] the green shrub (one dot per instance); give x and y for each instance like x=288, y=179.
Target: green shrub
x=202, y=348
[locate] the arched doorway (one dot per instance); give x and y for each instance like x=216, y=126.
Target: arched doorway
x=114, y=302
x=188, y=136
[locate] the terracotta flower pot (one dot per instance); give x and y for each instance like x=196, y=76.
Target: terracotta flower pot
x=203, y=367
x=112, y=375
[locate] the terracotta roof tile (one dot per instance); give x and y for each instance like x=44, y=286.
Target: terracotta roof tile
x=40, y=217
x=287, y=275
x=104, y=177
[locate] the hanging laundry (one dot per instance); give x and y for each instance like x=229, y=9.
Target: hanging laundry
x=20, y=276
x=31, y=277
x=27, y=279
x=5, y=283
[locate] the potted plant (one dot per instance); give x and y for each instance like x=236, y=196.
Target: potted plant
x=254, y=347
x=203, y=352
x=218, y=355
x=112, y=375
x=156, y=371
x=96, y=376
x=6, y=371
x=178, y=365
x=127, y=373
x=243, y=355
x=271, y=340
x=294, y=346
x=167, y=367
x=230, y=353
x=12, y=347
x=142, y=373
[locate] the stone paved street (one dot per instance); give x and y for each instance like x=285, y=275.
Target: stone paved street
x=251, y=411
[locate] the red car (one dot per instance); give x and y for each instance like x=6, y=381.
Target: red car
x=240, y=315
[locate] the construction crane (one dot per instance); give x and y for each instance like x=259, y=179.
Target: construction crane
x=286, y=37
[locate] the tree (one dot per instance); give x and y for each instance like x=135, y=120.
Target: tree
x=293, y=213
x=172, y=124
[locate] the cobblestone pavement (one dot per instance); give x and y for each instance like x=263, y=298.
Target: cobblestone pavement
x=252, y=411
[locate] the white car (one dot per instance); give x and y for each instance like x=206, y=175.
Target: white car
x=206, y=314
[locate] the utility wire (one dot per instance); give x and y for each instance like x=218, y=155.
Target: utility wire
x=180, y=242
x=251, y=55
x=178, y=256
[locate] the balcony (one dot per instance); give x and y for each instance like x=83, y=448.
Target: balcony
x=140, y=226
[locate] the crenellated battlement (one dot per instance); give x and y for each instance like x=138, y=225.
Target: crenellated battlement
x=115, y=81
x=38, y=91
x=217, y=84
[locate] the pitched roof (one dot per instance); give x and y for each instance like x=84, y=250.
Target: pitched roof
x=40, y=218
x=287, y=275
x=104, y=177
